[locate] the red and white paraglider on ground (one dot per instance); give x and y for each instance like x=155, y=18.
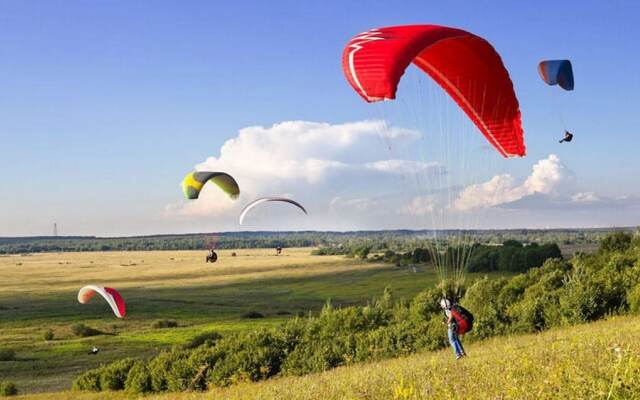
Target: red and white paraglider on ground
x=112, y=297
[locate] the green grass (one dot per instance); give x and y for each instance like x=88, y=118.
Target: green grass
x=40, y=294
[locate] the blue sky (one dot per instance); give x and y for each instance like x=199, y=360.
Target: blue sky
x=105, y=105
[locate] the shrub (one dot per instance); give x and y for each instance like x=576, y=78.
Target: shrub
x=164, y=323
x=7, y=355
x=180, y=374
x=633, y=298
x=138, y=379
x=248, y=357
x=48, y=335
x=539, y=307
x=160, y=366
x=330, y=339
x=113, y=376
x=426, y=303
x=399, y=339
x=81, y=330
x=208, y=338
x=8, y=389
x=252, y=315
x=483, y=300
x=89, y=381
x=617, y=241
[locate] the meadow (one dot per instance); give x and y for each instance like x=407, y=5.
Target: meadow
x=38, y=292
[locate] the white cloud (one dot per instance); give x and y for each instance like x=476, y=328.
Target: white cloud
x=396, y=166
x=300, y=156
x=585, y=197
x=548, y=176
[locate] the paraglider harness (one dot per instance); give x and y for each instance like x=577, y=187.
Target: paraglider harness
x=462, y=317
x=212, y=256
x=568, y=136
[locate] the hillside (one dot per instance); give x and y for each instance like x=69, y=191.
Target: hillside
x=597, y=360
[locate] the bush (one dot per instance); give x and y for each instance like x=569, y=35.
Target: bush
x=617, y=241
x=330, y=339
x=81, y=330
x=160, y=366
x=138, y=379
x=252, y=315
x=208, y=338
x=248, y=357
x=164, y=323
x=7, y=355
x=483, y=300
x=633, y=298
x=8, y=389
x=426, y=303
x=539, y=307
x=113, y=376
x=89, y=381
x=48, y=335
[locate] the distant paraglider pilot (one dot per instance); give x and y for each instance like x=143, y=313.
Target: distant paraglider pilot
x=212, y=256
x=278, y=250
x=568, y=136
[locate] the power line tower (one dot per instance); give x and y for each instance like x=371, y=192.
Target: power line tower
x=55, y=229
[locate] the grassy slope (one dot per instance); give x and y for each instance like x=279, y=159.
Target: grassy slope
x=599, y=360
x=39, y=292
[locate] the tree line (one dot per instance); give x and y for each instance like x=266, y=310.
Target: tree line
x=510, y=256
x=331, y=242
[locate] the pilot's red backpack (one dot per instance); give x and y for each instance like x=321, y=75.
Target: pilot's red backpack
x=464, y=319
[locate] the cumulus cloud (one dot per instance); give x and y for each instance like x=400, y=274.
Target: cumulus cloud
x=549, y=176
x=301, y=155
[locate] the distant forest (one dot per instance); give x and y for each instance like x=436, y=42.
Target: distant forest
x=376, y=241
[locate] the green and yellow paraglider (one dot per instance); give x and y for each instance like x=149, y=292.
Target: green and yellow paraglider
x=193, y=183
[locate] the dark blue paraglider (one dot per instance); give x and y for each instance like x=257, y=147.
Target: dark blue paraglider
x=557, y=72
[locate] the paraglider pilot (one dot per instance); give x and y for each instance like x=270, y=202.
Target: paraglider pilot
x=452, y=329
x=568, y=136
x=212, y=256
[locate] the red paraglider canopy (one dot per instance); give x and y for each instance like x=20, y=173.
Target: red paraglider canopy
x=466, y=66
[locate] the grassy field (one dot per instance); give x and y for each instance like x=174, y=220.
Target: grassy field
x=38, y=292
